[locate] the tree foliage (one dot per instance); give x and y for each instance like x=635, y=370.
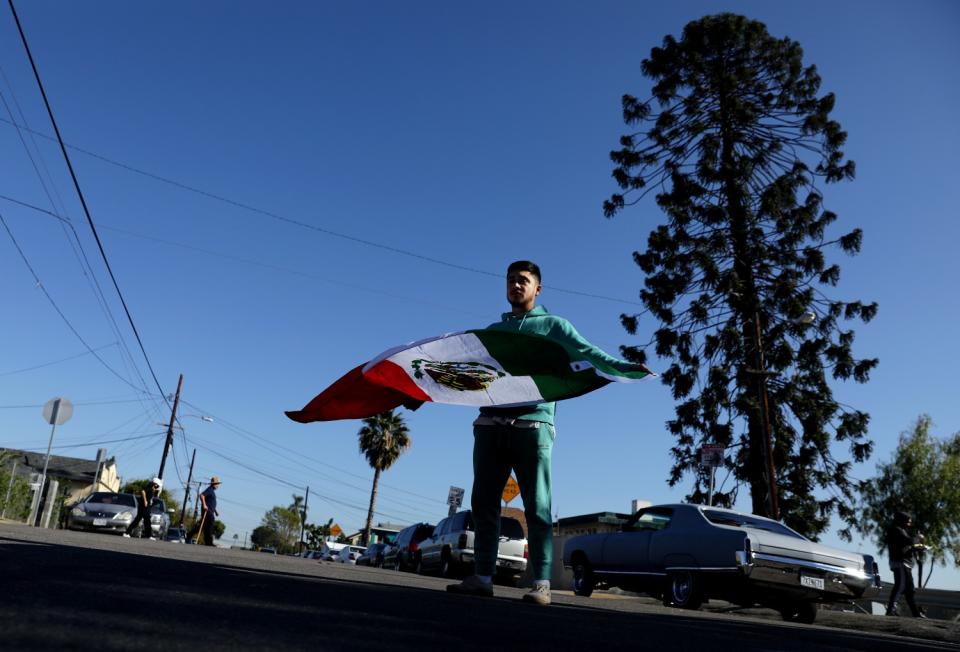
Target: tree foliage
x=382, y=439
x=734, y=142
x=922, y=478
x=15, y=491
x=317, y=534
x=284, y=523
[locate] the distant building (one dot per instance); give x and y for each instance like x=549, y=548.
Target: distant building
x=590, y=523
x=379, y=533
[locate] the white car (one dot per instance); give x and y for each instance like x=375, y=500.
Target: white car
x=349, y=554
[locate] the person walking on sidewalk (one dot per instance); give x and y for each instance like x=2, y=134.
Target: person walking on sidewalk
x=144, y=502
x=520, y=438
x=901, y=548
x=208, y=512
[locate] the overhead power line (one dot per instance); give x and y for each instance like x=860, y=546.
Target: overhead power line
x=53, y=303
x=76, y=185
x=314, y=227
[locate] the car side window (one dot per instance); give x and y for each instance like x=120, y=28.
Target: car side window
x=459, y=522
x=441, y=527
x=649, y=519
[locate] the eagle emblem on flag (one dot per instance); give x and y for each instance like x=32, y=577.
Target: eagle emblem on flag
x=461, y=376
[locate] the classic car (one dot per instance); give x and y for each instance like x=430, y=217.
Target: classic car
x=687, y=554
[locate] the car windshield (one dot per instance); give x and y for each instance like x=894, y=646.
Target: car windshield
x=107, y=498
x=746, y=521
x=510, y=528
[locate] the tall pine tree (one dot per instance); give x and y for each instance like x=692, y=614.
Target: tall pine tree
x=735, y=143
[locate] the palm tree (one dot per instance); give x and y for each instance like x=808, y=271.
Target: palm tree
x=383, y=438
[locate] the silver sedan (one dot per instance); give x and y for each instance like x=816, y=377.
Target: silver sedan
x=103, y=511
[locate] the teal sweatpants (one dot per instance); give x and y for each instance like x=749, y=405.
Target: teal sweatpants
x=497, y=450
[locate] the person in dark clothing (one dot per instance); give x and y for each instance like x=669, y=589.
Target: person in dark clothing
x=208, y=512
x=144, y=503
x=901, y=548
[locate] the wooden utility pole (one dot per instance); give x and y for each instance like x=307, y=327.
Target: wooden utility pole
x=186, y=495
x=173, y=418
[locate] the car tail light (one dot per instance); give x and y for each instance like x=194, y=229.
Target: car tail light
x=413, y=547
x=526, y=551
x=462, y=541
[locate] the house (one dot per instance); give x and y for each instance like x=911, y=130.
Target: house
x=78, y=477
x=379, y=533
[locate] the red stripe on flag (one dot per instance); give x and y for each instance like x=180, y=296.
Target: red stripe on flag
x=390, y=374
x=351, y=397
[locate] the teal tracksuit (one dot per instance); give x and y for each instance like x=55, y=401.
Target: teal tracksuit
x=522, y=440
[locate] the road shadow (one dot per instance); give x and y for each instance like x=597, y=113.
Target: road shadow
x=66, y=597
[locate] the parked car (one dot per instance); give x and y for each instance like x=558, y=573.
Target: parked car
x=315, y=555
x=449, y=549
x=400, y=554
x=373, y=555
x=686, y=554
x=349, y=554
x=103, y=511
x=269, y=551
x=176, y=535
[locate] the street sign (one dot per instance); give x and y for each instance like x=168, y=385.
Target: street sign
x=511, y=490
x=336, y=530
x=711, y=455
x=57, y=411
x=455, y=497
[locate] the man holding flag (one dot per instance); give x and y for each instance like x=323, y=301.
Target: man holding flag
x=521, y=438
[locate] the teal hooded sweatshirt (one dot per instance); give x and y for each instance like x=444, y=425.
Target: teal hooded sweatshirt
x=540, y=322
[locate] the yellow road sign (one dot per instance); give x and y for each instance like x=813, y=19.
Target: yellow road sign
x=511, y=490
x=336, y=530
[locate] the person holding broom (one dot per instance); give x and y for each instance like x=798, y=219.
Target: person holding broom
x=208, y=512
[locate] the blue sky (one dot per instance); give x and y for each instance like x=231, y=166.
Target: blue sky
x=473, y=134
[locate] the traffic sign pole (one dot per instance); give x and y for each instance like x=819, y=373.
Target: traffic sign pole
x=57, y=410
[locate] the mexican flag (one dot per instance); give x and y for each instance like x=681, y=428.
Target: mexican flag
x=478, y=368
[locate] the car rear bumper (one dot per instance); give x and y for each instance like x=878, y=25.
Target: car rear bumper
x=815, y=579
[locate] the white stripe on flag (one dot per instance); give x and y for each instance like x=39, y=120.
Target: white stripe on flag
x=464, y=347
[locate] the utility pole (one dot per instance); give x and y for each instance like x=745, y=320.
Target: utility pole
x=303, y=518
x=186, y=496
x=173, y=417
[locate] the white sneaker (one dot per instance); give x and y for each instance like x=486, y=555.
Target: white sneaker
x=539, y=594
x=126, y=536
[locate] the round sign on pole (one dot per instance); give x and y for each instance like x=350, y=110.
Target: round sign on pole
x=57, y=411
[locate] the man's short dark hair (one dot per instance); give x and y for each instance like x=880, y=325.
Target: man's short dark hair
x=525, y=266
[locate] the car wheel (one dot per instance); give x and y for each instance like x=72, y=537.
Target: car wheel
x=683, y=590
x=800, y=612
x=583, y=580
x=448, y=567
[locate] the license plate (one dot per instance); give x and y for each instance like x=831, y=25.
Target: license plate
x=99, y=522
x=812, y=582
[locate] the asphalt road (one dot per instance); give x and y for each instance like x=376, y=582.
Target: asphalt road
x=72, y=590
